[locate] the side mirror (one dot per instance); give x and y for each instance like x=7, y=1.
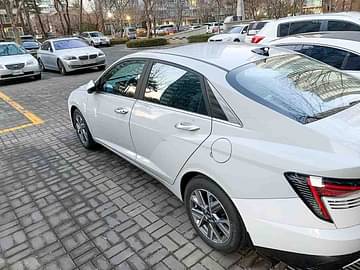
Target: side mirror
x=91, y=87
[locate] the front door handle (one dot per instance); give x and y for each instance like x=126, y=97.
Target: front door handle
x=121, y=110
x=186, y=126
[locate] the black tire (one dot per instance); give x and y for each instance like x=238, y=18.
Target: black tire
x=41, y=64
x=61, y=67
x=82, y=130
x=237, y=40
x=237, y=235
x=103, y=67
x=37, y=77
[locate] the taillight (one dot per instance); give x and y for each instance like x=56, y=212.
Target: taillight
x=257, y=39
x=312, y=189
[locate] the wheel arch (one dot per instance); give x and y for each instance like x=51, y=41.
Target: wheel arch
x=72, y=109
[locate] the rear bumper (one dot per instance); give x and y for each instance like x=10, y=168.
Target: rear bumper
x=287, y=225
x=304, y=261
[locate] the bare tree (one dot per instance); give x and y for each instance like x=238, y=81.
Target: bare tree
x=10, y=6
x=149, y=15
x=62, y=8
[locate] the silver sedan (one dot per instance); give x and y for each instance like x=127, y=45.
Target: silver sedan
x=69, y=54
x=16, y=63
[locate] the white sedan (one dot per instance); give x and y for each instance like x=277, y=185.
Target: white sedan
x=338, y=49
x=15, y=62
x=69, y=54
x=236, y=34
x=262, y=145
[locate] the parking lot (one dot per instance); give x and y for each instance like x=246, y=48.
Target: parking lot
x=64, y=207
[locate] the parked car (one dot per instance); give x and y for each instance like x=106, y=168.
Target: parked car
x=254, y=28
x=214, y=27
x=195, y=26
x=338, y=49
x=30, y=44
x=236, y=34
x=69, y=54
x=130, y=32
x=96, y=38
x=261, y=144
x=344, y=21
x=165, y=29
x=16, y=63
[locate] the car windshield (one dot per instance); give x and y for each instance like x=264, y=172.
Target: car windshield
x=296, y=86
x=235, y=30
x=10, y=49
x=69, y=44
x=96, y=34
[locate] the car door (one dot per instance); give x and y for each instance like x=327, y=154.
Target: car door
x=109, y=108
x=43, y=54
x=170, y=121
x=52, y=57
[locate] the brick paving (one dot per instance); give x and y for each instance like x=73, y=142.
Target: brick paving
x=64, y=207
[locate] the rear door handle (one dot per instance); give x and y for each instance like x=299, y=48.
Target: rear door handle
x=186, y=126
x=121, y=110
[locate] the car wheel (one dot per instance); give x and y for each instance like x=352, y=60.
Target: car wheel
x=61, y=67
x=82, y=130
x=103, y=67
x=214, y=216
x=236, y=40
x=41, y=64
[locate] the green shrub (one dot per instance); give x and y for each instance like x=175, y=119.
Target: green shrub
x=116, y=41
x=199, y=38
x=146, y=42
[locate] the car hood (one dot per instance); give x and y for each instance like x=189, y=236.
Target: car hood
x=224, y=36
x=78, y=51
x=15, y=59
x=342, y=128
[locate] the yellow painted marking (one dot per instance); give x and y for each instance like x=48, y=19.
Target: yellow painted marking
x=34, y=120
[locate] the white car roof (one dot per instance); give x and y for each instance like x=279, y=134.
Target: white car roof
x=7, y=43
x=339, y=15
x=225, y=56
x=349, y=45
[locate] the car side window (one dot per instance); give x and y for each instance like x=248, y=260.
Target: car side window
x=244, y=31
x=331, y=56
x=283, y=29
x=123, y=78
x=342, y=26
x=175, y=87
x=304, y=27
x=45, y=46
x=352, y=62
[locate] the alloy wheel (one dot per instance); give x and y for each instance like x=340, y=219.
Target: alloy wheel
x=81, y=130
x=210, y=216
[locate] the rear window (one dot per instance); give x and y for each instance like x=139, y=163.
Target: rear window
x=255, y=26
x=342, y=26
x=296, y=86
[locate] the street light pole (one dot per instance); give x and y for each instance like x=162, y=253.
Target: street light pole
x=240, y=10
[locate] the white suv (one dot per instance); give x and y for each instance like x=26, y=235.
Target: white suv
x=345, y=21
x=262, y=145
